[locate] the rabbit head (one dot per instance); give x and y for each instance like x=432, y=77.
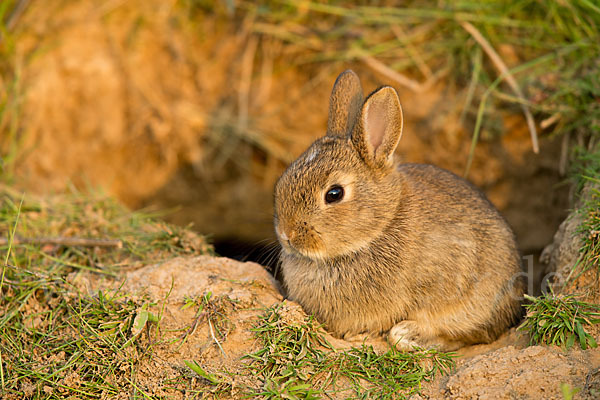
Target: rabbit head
x=341, y=192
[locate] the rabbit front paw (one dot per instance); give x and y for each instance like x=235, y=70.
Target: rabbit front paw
x=405, y=336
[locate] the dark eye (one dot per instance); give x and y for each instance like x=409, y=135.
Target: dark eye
x=334, y=194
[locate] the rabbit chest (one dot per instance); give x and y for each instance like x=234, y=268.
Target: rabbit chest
x=351, y=295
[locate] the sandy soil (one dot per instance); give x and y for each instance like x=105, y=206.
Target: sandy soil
x=505, y=369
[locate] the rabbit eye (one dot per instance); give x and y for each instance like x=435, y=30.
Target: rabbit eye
x=334, y=194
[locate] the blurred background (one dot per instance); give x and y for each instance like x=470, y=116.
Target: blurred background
x=197, y=106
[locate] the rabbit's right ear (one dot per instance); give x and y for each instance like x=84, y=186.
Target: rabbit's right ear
x=344, y=104
x=379, y=127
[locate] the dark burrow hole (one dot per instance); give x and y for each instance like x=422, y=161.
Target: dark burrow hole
x=266, y=255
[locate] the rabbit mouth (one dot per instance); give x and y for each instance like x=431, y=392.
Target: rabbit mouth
x=301, y=242
x=316, y=249
x=300, y=251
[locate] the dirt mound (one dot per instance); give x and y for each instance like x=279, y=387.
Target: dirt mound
x=532, y=373
x=207, y=306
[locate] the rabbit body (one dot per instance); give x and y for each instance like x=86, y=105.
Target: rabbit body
x=412, y=250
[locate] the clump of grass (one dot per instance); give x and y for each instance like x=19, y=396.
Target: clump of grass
x=296, y=361
x=560, y=321
x=392, y=374
x=589, y=231
x=291, y=359
x=585, y=169
x=46, y=225
x=586, y=173
x=57, y=340
x=214, y=311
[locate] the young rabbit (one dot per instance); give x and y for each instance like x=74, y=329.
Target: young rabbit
x=371, y=247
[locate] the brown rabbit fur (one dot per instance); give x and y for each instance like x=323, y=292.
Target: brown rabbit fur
x=412, y=250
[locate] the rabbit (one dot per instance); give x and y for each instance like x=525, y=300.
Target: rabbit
x=411, y=250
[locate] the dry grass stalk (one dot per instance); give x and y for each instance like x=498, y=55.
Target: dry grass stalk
x=401, y=79
x=510, y=79
x=394, y=75
x=65, y=241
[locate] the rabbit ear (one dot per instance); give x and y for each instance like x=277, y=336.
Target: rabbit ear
x=379, y=128
x=344, y=104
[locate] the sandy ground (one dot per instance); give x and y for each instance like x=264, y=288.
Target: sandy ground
x=505, y=369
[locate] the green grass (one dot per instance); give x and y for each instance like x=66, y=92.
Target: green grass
x=568, y=392
x=57, y=340
x=296, y=361
x=143, y=237
x=560, y=321
x=589, y=231
x=291, y=359
x=586, y=172
x=65, y=343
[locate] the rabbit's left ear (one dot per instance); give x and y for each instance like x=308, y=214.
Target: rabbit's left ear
x=344, y=104
x=379, y=127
